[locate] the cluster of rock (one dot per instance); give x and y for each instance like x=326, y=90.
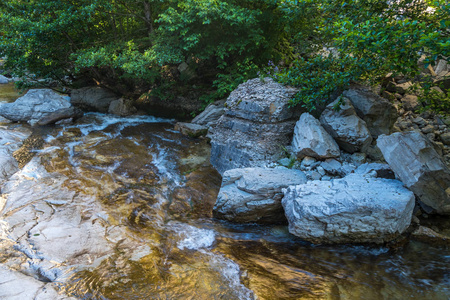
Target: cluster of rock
x=45, y=106
x=331, y=194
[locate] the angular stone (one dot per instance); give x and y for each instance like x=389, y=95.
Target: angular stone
x=445, y=138
x=429, y=236
x=377, y=170
x=348, y=130
x=93, y=99
x=61, y=114
x=254, y=194
x=34, y=105
x=210, y=116
x=311, y=139
x=354, y=209
x=417, y=164
x=192, y=130
x=378, y=113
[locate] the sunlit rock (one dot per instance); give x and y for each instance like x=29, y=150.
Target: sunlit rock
x=354, y=209
x=254, y=194
x=417, y=164
x=34, y=105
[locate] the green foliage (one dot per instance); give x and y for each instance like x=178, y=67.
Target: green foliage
x=369, y=38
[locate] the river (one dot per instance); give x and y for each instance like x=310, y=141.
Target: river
x=120, y=208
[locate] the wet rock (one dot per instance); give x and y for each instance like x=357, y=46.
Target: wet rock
x=210, y=116
x=348, y=130
x=93, y=99
x=311, y=139
x=61, y=114
x=190, y=129
x=255, y=127
x=429, y=236
x=417, y=164
x=10, y=141
x=254, y=194
x=378, y=113
x=34, y=105
x=354, y=209
x=17, y=286
x=4, y=80
x=122, y=107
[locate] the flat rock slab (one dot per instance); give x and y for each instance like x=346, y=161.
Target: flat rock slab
x=254, y=194
x=190, y=129
x=417, y=164
x=354, y=209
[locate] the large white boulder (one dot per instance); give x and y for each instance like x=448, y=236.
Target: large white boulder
x=254, y=194
x=311, y=139
x=353, y=209
x=34, y=105
x=347, y=129
x=417, y=164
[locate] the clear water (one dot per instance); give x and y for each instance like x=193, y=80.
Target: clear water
x=160, y=187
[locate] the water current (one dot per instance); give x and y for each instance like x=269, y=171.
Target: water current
x=151, y=191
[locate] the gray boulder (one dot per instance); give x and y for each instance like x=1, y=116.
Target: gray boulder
x=4, y=80
x=347, y=129
x=60, y=114
x=255, y=127
x=311, y=139
x=254, y=194
x=34, y=105
x=93, y=99
x=210, y=116
x=415, y=162
x=378, y=113
x=353, y=209
x=10, y=141
x=122, y=107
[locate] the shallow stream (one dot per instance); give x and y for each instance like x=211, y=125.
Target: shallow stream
x=150, y=191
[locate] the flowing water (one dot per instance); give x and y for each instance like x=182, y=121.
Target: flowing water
x=150, y=192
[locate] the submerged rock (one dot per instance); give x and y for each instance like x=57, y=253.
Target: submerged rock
x=347, y=129
x=311, y=139
x=417, y=164
x=257, y=124
x=354, y=209
x=254, y=194
x=34, y=105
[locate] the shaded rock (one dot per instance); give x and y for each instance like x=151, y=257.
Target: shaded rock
x=34, y=105
x=93, y=98
x=377, y=170
x=311, y=139
x=255, y=127
x=332, y=166
x=61, y=114
x=348, y=130
x=429, y=236
x=254, y=194
x=400, y=88
x=192, y=130
x=122, y=107
x=354, y=209
x=210, y=115
x=417, y=164
x=4, y=80
x=410, y=103
x=445, y=138
x=378, y=113
x=441, y=66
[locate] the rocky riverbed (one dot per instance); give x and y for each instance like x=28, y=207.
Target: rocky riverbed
x=121, y=208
